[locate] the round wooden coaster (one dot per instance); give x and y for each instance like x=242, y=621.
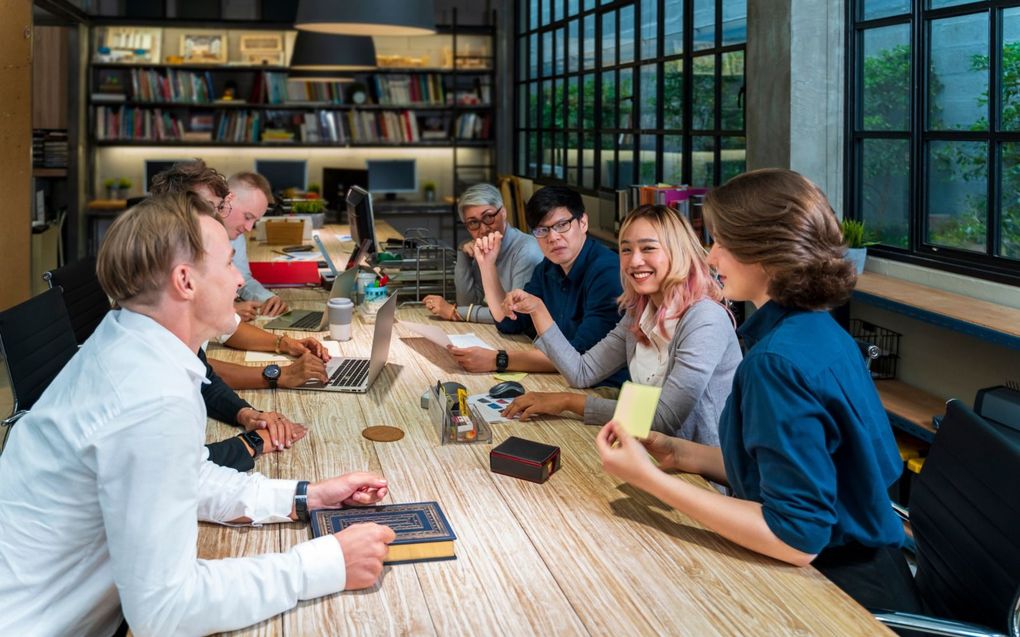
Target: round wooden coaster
x=382, y=433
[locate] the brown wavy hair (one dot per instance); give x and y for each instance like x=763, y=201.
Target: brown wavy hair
x=781, y=220
x=689, y=278
x=187, y=175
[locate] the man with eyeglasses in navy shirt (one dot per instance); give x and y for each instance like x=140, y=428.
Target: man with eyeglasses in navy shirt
x=578, y=280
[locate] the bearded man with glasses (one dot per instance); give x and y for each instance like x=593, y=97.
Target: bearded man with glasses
x=578, y=279
x=514, y=256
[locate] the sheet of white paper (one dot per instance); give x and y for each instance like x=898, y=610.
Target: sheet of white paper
x=431, y=332
x=333, y=347
x=469, y=340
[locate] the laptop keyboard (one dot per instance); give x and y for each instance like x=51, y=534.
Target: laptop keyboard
x=351, y=373
x=309, y=320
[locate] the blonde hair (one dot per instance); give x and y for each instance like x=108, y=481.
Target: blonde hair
x=144, y=242
x=252, y=181
x=781, y=220
x=689, y=278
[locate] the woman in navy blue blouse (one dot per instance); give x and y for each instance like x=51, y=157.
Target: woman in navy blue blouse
x=805, y=444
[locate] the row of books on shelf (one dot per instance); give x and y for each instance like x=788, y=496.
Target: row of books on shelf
x=49, y=148
x=409, y=89
x=271, y=126
x=686, y=200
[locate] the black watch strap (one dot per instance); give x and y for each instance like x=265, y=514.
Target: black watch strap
x=254, y=441
x=301, y=500
x=502, y=360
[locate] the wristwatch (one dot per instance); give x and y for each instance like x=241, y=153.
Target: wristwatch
x=254, y=441
x=301, y=500
x=502, y=360
x=272, y=374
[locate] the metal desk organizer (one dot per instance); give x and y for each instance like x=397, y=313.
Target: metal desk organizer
x=425, y=267
x=449, y=431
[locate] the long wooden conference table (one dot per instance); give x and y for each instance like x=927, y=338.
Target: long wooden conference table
x=582, y=554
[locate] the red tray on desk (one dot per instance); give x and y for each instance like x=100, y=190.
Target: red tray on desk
x=284, y=273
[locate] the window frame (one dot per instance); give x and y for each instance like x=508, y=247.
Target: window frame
x=919, y=250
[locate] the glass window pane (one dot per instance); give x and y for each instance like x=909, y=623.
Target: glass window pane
x=673, y=34
x=561, y=53
x=546, y=13
x=533, y=12
x=703, y=92
x=625, y=161
x=589, y=4
x=548, y=167
x=673, y=95
x=884, y=191
x=672, y=159
x=557, y=10
x=532, y=155
x=938, y=4
x=955, y=85
x=704, y=24
x=1009, y=72
x=649, y=28
x=609, y=99
x=588, y=99
x=533, y=98
x=732, y=157
x=885, y=91
x=609, y=38
x=702, y=161
x=732, y=77
x=572, y=159
x=883, y=8
x=957, y=183
x=608, y=158
x=647, y=169
x=522, y=106
x=626, y=89
x=734, y=26
x=522, y=153
x=558, y=103
x=649, y=97
x=589, y=42
x=573, y=102
x=627, y=34
x=533, y=56
x=547, y=104
x=572, y=7
x=547, y=53
x=522, y=59
x=1009, y=225
x=573, y=47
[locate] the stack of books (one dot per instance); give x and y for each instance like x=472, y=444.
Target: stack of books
x=49, y=147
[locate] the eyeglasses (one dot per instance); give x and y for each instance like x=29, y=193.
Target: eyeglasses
x=560, y=227
x=488, y=219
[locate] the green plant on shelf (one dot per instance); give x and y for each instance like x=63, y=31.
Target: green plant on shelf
x=124, y=183
x=314, y=187
x=853, y=234
x=307, y=206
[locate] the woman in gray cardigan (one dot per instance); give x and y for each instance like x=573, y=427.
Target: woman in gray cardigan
x=675, y=333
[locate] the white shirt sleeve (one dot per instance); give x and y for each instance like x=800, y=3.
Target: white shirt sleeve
x=252, y=290
x=154, y=486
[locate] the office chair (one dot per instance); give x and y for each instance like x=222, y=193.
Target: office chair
x=36, y=341
x=966, y=521
x=84, y=298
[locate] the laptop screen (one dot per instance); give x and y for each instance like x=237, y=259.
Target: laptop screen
x=325, y=254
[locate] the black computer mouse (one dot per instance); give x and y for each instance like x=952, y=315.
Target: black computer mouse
x=507, y=389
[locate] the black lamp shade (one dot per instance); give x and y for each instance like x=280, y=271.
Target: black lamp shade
x=318, y=76
x=367, y=17
x=329, y=52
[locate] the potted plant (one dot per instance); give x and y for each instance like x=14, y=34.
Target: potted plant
x=112, y=187
x=429, y=189
x=314, y=188
x=124, y=184
x=856, y=248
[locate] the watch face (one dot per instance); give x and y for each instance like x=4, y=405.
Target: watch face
x=272, y=372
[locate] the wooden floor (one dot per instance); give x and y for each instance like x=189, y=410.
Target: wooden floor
x=581, y=554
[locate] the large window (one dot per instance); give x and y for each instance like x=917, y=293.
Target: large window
x=934, y=158
x=611, y=94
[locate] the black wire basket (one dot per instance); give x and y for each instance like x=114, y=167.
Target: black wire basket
x=887, y=342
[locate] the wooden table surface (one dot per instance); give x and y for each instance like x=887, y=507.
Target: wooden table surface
x=582, y=554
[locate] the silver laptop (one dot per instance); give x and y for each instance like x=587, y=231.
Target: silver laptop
x=356, y=375
x=343, y=287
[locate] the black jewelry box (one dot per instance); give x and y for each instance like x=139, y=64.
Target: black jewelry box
x=525, y=459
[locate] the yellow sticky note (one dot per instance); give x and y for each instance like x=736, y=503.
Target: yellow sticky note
x=635, y=408
x=510, y=375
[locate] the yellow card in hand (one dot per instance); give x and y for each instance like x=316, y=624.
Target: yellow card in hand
x=635, y=408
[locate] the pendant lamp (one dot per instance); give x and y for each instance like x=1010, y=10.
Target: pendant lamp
x=367, y=17
x=329, y=52
x=319, y=76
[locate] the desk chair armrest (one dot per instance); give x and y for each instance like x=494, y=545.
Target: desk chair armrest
x=933, y=625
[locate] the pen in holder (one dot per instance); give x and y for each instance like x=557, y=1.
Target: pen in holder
x=452, y=426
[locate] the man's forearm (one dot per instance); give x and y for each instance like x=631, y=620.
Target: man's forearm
x=494, y=292
x=239, y=376
x=248, y=337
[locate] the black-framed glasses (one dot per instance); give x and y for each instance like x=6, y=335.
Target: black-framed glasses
x=488, y=219
x=560, y=227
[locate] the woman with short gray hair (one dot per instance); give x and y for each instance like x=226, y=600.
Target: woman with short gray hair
x=481, y=209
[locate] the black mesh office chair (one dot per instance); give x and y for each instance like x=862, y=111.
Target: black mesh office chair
x=85, y=299
x=965, y=515
x=36, y=341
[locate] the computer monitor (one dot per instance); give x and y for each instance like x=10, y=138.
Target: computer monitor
x=392, y=176
x=284, y=173
x=155, y=166
x=337, y=181
x=361, y=218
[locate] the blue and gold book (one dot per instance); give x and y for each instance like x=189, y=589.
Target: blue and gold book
x=423, y=533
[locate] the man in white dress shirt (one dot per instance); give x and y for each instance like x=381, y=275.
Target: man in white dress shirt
x=102, y=484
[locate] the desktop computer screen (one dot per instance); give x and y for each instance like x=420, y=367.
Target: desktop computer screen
x=155, y=166
x=361, y=218
x=337, y=181
x=392, y=176
x=284, y=173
